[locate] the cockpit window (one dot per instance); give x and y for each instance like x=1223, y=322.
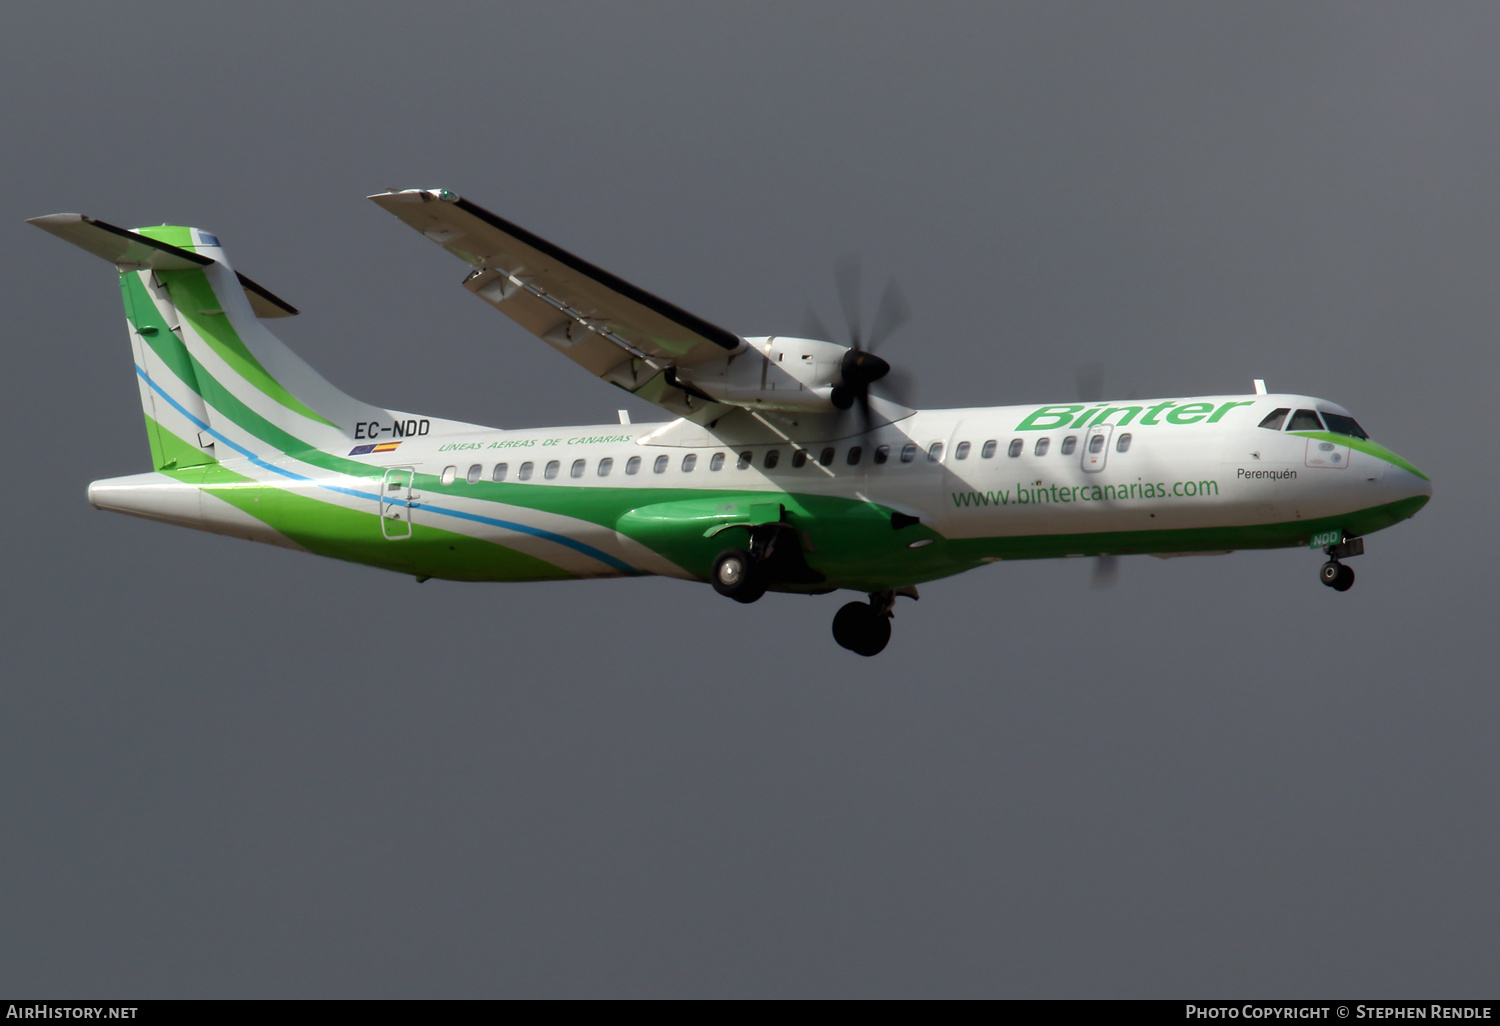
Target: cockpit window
x=1276, y=418
x=1305, y=420
x=1342, y=425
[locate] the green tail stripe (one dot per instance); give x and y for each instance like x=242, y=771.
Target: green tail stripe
x=198, y=306
x=177, y=235
x=148, y=322
x=153, y=438
x=172, y=453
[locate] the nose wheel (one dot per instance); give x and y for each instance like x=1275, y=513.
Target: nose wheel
x=1335, y=574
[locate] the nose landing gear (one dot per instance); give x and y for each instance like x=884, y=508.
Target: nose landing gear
x=1335, y=574
x=864, y=628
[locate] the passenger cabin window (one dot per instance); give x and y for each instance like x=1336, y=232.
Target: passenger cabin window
x=633, y=465
x=660, y=466
x=882, y=453
x=989, y=449
x=1041, y=447
x=1122, y=444
x=689, y=462
x=524, y=473
x=576, y=470
x=1342, y=425
x=1069, y=444
x=1016, y=444
x=799, y=457
x=772, y=458
x=500, y=469
x=716, y=461
x=1276, y=418
x=1305, y=420
x=746, y=458
x=908, y=452
x=1096, y=444
x=934, y=452
x=475, y=473
x=449, y=475
x=961, y=451
x=605, y=466
x=826, y=456
x=553, y=466
x=854, y=454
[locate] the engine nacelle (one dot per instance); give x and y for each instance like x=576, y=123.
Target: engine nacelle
x=776, y=373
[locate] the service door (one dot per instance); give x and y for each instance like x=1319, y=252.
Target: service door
x=1096, y=447
x=396, y=501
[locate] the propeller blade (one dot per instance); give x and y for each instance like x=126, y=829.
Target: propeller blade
x=898, y=386
x=847, y=275
x=891, y=314
x=1090, y=377
x=1106, y=569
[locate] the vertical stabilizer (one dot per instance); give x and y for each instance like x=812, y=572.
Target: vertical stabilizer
x=215, y=382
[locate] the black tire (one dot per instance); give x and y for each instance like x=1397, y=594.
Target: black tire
x=1330, y=573
x=861, y=630
x=1346, y=578
x=736, y=576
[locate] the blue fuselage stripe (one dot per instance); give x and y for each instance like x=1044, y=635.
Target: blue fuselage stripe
x=509, y=525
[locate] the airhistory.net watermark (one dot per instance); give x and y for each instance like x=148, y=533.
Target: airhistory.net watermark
x=44, y=1010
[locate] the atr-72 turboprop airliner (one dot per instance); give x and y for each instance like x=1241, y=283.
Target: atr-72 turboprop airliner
x=780, y=471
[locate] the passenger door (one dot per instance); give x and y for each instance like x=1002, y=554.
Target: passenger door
x=396, y=502
x=1096, y=447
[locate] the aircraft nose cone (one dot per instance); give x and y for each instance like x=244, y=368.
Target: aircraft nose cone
x=1424, y=487
x=1407, y=484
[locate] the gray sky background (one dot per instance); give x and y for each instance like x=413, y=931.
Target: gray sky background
x=231, y=770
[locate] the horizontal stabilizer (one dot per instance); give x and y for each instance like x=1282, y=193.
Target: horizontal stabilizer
x=125, y=249
x=263, y=301
x=131, y=251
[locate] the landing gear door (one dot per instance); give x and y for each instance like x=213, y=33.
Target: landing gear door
x=1096, y=447
x=396, y=501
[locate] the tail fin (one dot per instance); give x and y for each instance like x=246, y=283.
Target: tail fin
x=212, y=376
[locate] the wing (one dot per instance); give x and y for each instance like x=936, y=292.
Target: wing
x=617, y=331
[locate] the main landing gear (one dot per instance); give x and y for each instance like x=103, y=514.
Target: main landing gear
x=774, y=559
x=1335, y=574
x=739, y=576
x=864, y=628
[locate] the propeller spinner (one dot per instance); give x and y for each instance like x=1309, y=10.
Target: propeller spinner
x=860, y=367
